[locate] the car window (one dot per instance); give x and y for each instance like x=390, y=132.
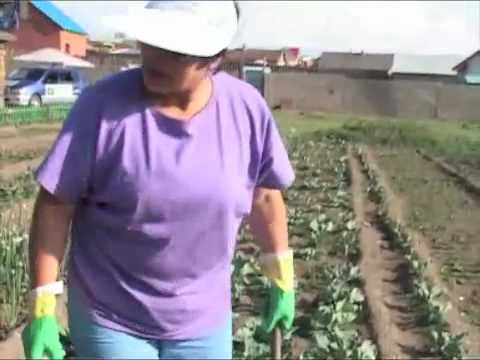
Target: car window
x=77, y=76
x=27, y=74
x=52, y=78
x=66, y=77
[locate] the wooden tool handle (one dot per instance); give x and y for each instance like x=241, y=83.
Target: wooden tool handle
x=276, y=346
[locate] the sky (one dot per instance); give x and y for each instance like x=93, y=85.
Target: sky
x=408, y=27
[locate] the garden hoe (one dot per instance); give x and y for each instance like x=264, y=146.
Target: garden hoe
x=276, y=345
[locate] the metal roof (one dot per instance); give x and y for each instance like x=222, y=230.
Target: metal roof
x=51, y=56
x=425, y=64
x=252, y=55
x=461, y=66
x=57, y=16
x=355, y=61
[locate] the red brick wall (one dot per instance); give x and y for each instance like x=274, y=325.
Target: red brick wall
x=39, y=32
x=35, y=33
x=76, y=43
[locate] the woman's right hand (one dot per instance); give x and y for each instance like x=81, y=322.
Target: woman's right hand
x=41, y=337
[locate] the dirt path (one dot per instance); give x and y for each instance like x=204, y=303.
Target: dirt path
x=28, y=130
x=10, y=171
x=423, y=248
x=27, y=143
x=387, y=282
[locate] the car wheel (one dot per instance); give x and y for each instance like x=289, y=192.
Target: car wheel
x=35, y=100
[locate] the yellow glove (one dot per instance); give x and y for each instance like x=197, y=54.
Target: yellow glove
x=43, y=305
x=279, y=269
x=280, y=308
x=42, y=335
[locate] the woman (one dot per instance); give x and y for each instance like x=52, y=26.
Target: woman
x=154, y=169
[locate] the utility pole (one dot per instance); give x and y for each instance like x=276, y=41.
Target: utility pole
x=242, y=61
x=24, y=9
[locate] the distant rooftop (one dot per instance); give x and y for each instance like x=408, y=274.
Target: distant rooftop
x=355, y=61
x=425, y=64
x=63, y=21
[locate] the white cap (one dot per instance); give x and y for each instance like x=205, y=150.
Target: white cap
x=198, y=28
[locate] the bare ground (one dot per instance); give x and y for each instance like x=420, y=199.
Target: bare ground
x=28, y=130
x=422, y=245
x=386, y=281
x=12, y=170
x=27, y=143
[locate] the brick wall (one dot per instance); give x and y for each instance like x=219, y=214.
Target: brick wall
x=35, y=33
x=76, y=43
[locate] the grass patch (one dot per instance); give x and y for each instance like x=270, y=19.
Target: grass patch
x=456, y=141
x=21, y=115
x=21, y=187
x=14, y=270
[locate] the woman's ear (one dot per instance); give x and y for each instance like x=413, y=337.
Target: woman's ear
x=213, y=65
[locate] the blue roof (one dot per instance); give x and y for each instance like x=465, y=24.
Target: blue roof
x=57, y=16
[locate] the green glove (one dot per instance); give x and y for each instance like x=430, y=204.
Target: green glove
x=279, y=310
x=280, y=307
x=42, y=334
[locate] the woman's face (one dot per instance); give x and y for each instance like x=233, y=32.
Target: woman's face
x=166, y=73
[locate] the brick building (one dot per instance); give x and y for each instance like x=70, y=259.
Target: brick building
x=47, y=26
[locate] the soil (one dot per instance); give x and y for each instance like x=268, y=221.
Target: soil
x=464, y=175
x=7, y=132
x=387, y=283
x=24, y=143
x=423, y=246
x=11, y=170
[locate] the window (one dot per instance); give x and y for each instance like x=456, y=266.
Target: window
x=67, y=48
x=66, y=77
x=27, y=74
x=52, y=78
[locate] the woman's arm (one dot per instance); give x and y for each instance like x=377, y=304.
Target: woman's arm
x=269, y=226
x=48, y=238
x=268, y=221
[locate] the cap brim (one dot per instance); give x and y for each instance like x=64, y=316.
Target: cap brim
x=185, y=36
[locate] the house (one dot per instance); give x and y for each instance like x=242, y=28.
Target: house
x=360, y=64
x=425, y=67
x=306, y=62
x=100, y=46
x=280, y=57
x=5, y=39
x=468, y=70
x=47, y=26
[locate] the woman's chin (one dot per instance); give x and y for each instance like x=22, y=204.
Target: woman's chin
x=157, y=89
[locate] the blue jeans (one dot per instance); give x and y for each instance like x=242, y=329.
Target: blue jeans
x=95, y=342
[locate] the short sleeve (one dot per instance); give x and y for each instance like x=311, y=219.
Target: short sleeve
x=275, y=169
x=66, y=170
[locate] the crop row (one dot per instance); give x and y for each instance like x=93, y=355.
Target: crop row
x=331, y=308
x=430, y=299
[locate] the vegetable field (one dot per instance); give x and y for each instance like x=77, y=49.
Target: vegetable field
x=385, y=240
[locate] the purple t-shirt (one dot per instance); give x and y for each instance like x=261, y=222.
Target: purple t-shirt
x=160, y=201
